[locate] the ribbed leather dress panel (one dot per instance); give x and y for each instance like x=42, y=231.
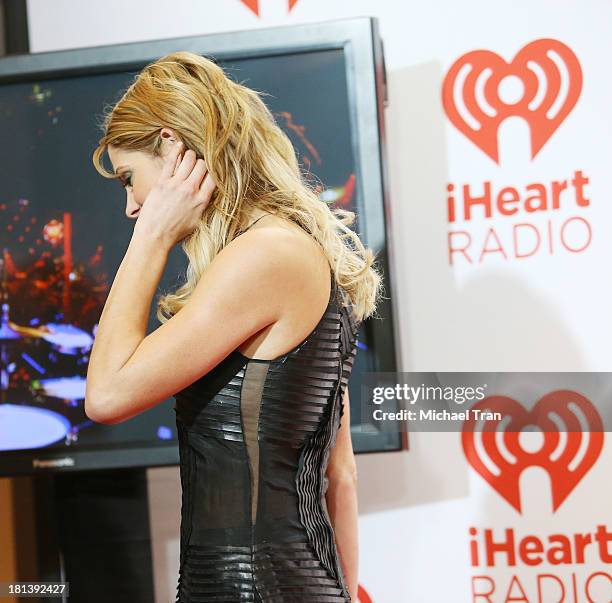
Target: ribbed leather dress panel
x=254, y=441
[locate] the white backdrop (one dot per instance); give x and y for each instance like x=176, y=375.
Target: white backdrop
x=547, y=311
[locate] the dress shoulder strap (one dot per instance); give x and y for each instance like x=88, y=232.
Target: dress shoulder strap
x=254, y=222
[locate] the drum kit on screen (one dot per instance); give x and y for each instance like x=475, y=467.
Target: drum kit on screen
x=41, y=408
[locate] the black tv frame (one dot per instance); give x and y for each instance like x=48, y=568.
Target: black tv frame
x=360, y=39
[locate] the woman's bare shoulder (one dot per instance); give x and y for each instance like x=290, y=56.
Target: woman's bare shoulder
x=296, y=288
x=283, y=242
x=299, y=262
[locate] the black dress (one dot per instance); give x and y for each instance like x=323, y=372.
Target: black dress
x=254, y=441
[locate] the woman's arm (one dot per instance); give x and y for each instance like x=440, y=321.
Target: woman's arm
x=341, y=499
x=237, y=296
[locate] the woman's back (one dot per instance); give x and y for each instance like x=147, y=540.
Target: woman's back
x=254, y=441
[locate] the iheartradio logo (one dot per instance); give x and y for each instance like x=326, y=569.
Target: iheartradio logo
x=571, y=441
x=253, y=5
x=540, y=85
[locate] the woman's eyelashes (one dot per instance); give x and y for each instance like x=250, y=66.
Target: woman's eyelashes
x=126, y=180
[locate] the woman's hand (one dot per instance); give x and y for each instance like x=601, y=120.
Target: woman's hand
x=174, y=206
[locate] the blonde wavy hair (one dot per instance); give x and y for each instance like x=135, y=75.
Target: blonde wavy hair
x=250, y=158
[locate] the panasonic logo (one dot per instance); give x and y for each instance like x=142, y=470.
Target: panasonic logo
x=42, y=464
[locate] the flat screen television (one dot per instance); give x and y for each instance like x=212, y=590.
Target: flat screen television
x=64, y=231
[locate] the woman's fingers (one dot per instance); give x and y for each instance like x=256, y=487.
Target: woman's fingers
x=176, y=163
x=186, y=165
x=206, y=189
x=189, y=169
x=171, y=160
x=199, y=171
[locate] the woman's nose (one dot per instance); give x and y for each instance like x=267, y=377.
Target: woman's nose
x=131, y=208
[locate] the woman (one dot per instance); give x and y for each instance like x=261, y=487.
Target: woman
x=256, y=346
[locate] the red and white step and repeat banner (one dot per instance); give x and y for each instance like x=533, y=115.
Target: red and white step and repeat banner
x=499, y=133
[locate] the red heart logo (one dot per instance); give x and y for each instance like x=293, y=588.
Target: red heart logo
x=253, y=5
x=477, y=92
x=572, y=433
x=362, y=595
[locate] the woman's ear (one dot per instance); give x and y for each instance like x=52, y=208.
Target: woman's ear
x=168, y=139
x=168, y=135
